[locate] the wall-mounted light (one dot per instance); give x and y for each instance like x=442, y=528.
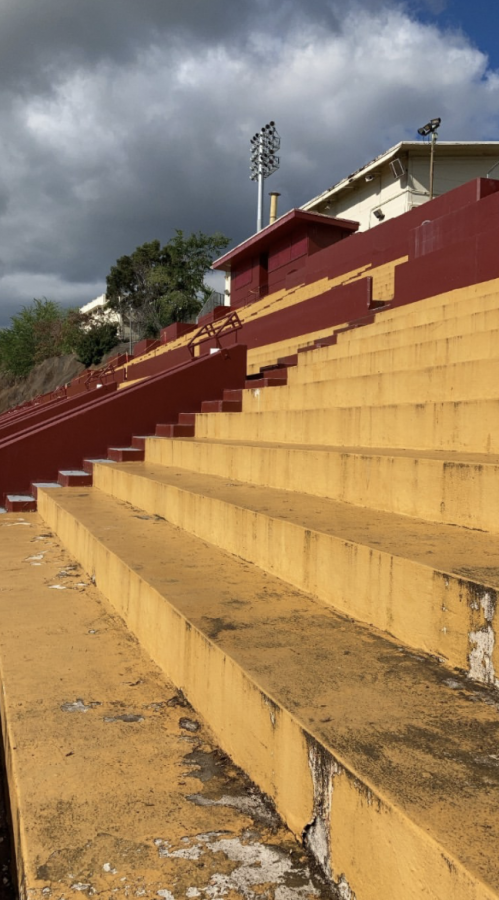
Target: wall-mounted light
x=379, y=214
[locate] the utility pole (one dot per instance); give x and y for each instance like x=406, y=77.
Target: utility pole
x=431, y=129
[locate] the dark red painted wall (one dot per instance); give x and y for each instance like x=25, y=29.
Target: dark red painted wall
x=66, y=440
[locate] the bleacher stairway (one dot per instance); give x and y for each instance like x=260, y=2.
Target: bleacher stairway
x=319, y=573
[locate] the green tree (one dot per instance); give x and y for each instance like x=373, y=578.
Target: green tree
x=33, y=336
x=90, y=336
x=158, y=285
x=44, y=330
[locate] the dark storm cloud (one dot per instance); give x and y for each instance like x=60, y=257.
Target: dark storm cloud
x=122, y=121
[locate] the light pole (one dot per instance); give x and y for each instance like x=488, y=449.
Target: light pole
x=431, y=129
x=264, y=162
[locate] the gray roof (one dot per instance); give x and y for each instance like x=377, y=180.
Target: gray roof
x=419, y=148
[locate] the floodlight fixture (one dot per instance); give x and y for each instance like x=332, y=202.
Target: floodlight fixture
x=264, y=162
x=429, y=128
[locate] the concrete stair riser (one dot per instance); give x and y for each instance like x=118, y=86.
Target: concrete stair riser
x=125, y=454
x=361, y=339
x=20, y=503
x=462, y=300
x=427, y=609
x=459, y=321
x=447, y=491
x=462, y=427
x=270, y=353
x=473, y=380
x=462, y=348
x=309, y=781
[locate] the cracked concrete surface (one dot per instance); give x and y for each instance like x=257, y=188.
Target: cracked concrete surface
x=111, y=796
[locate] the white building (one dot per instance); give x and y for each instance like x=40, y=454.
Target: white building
x=399, y=179
x=111, y=315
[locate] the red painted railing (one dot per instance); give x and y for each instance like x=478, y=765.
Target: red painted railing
x=214, y=331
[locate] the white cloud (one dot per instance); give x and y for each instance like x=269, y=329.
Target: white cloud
x=118, y=153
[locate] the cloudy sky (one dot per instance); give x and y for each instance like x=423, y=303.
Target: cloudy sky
x=122, y=120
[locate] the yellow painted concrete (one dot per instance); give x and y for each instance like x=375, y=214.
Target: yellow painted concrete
x=472, y=314
x=383, y=279
x=474, y=380
x=125, y=384
x=411, y=809
x=481, y=345
x=119, y=806
x=411, y=316
x=361, y=339
x=450, y=489
x=404, y=576
x=468, y=426
x=270, y=353
x=428, y=308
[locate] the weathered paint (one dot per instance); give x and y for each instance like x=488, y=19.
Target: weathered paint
x=88, y=819
x=387, y=719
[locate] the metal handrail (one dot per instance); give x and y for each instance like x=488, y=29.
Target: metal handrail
x=96, y=374
x=213, y=331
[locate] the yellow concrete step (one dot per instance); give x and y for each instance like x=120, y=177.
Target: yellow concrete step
x=461, y=302
x=474, y=380
x=262, y=356
x=116, y=785
x=451, y=489
x=362, y=340
x=466, y=427
x=434, y=352
x=441, y=306
x=449, y=303
x=377, y=756
x=416, y=580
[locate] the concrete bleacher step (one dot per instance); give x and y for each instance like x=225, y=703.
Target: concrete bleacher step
x=221, y=406
x=471, y=298
x=461, y=302
x=435, y=352
x=401, y=326
x=43, y=484
x=383, y=760
x=473, y=380
x=425, y=583
x=116, y=785
x=175, y=429
x=20, y=502
x=449, y=488
x=139, y=440
x=462, y=427
x=354, y=340
x=235, y=395
x=289, y=361
x=267, y=380
x=125, y=454
x=74, y=477
x=88, y=464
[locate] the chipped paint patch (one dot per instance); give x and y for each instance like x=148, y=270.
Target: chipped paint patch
x=482, y=640
x=255, y=866
x=79, y=705
x=344, y=890
x=316, y=835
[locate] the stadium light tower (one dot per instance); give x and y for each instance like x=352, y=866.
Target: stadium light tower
x=264, y=162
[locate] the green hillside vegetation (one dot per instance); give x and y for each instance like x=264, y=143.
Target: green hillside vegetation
x=44, y=330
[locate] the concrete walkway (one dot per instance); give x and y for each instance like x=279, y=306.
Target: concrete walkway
x=117, y=788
